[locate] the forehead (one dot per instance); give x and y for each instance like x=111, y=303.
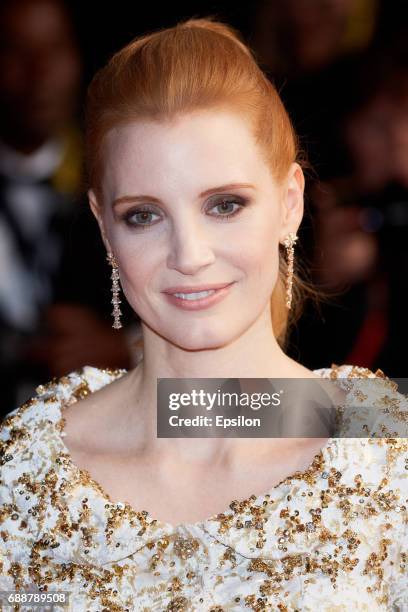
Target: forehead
x=213, y=145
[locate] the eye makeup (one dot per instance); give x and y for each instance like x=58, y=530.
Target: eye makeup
x=142, y=213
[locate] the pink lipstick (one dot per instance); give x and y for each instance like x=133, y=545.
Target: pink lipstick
x=214, y=295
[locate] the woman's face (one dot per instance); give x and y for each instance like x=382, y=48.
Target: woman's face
x=168, y=190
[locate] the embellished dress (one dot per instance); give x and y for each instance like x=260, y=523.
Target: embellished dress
x=331, y=538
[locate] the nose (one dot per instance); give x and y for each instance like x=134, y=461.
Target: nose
x=190, y=249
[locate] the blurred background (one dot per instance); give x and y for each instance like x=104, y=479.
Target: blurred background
x=341, y=67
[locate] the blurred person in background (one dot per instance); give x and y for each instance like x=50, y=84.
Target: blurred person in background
x=362, y=221
x=307, y=48
x=40, y=183
x=333, y=61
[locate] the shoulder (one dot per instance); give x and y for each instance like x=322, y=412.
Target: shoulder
x=350, y=371
x=373, y=425
x=381, y=399
x=30, y=473
x=28, y=431
x=20, y=428
x=25, y=459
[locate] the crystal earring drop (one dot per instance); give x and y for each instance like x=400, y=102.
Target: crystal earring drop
x=289, y=243
x=116, y=312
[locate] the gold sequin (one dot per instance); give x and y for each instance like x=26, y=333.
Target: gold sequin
x=185, y=547
x=338, y=529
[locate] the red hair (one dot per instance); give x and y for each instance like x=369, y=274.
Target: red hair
x=197, y=64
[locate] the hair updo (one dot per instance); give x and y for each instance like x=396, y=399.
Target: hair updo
x=197, y=64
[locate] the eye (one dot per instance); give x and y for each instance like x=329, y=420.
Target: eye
x=142, y=214
x=141, y=218
x=225, y=204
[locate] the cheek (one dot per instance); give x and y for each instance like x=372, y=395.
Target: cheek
x=261, y=265
x=137, y=264
x=258, y=253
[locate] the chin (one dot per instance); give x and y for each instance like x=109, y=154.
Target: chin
x=200, y=340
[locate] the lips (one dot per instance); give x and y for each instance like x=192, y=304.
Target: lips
x=195, y=289
x=200, y=303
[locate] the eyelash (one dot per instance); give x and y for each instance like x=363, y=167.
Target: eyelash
x=145, y=209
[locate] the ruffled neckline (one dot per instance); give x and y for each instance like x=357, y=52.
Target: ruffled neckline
x=90, y=528
x=88, y=379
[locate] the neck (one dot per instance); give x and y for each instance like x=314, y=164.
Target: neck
x=255, y=354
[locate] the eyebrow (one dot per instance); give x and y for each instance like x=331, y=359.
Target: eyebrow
x=127, y=199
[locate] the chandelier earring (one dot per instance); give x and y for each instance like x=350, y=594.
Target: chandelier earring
x=116, y=312
x=289, y=243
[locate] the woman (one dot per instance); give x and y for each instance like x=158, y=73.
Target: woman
x=184, y=132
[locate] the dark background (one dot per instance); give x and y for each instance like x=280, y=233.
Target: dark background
x=353, y=239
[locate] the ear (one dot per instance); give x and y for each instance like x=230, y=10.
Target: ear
x=292, y=201
x=96, y=208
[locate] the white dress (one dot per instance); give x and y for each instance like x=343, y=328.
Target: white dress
x=333, y=537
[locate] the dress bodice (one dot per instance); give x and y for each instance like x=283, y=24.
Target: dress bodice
x=333, y=537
